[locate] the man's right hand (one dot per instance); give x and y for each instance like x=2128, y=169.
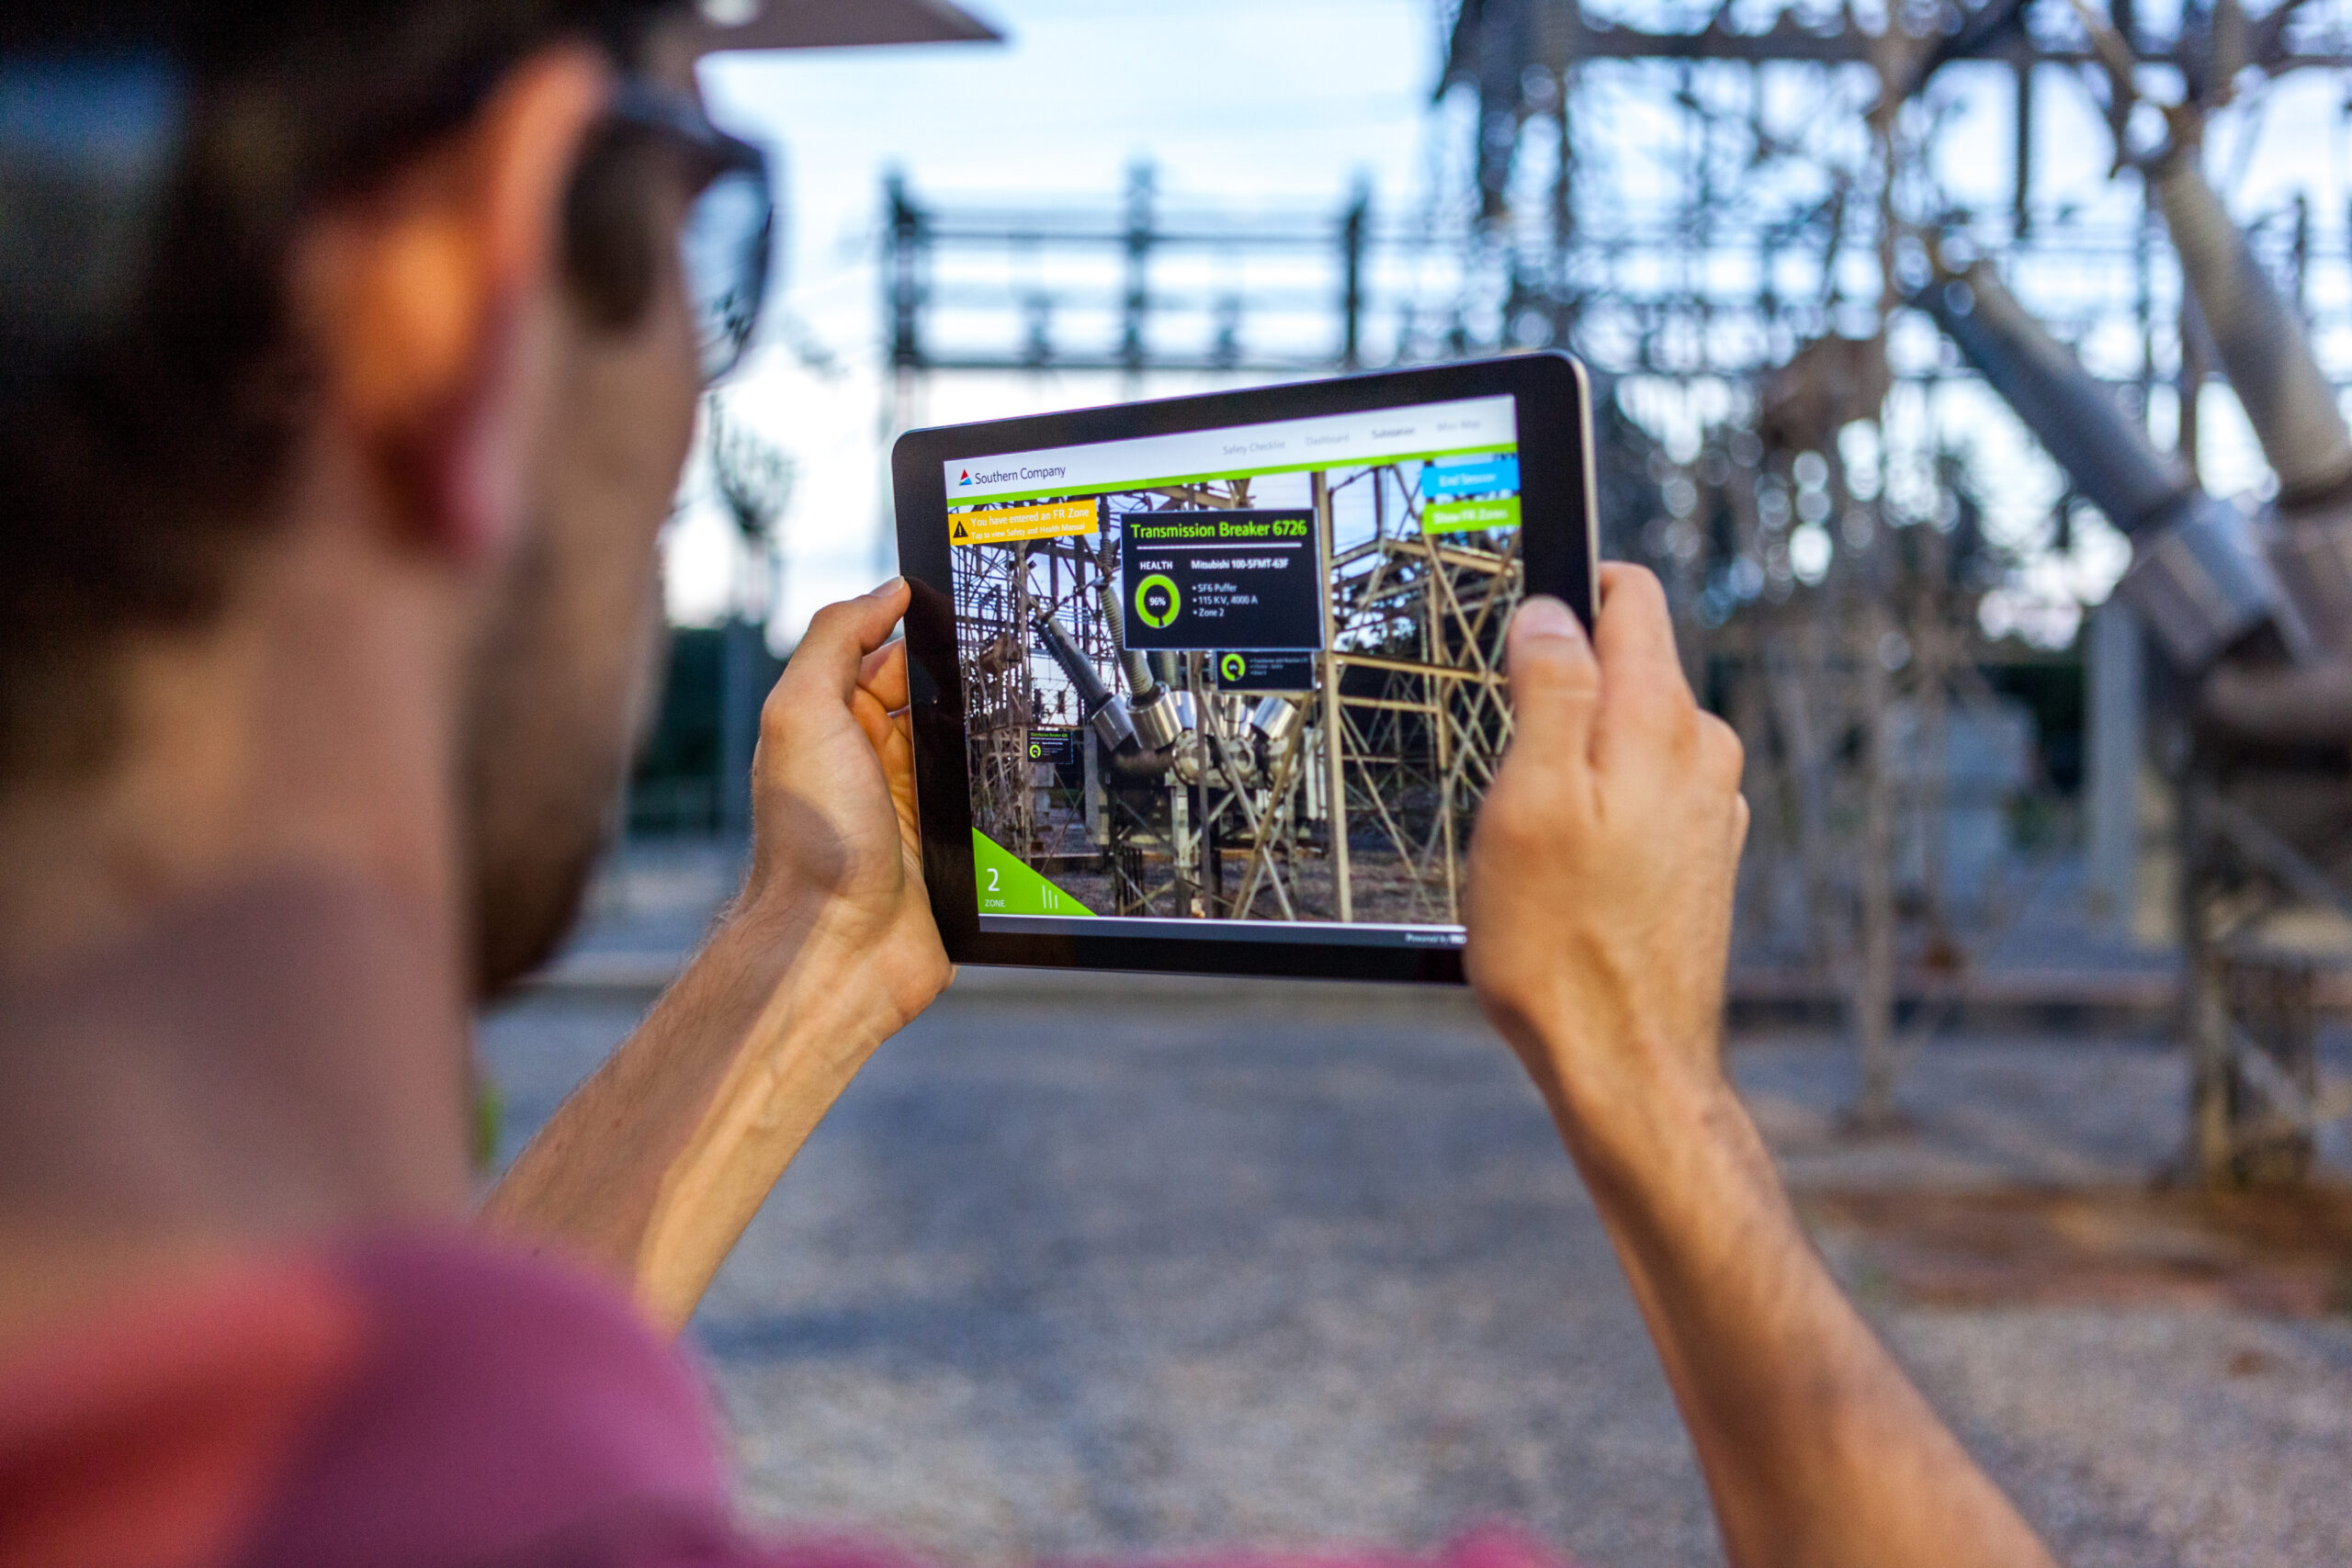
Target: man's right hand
x=1600, y=915
x=1603, y=863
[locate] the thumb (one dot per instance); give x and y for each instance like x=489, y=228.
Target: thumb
x=1554, y=680
x=833, y=650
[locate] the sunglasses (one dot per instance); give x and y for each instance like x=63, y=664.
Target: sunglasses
x=730, y=223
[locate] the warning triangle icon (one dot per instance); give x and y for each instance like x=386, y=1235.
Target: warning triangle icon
x=961, y=533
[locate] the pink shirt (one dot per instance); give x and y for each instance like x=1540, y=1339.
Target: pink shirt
x=420, y=1401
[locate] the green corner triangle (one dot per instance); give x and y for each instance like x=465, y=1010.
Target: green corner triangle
x=1009, y=887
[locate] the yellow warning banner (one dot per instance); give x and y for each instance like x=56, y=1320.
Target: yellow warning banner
x=1008, y=524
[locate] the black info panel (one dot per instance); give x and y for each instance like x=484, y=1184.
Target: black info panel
x=1204, y=581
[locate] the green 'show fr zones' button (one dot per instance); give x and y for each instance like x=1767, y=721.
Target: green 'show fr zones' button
x=1461, y=516
x=1009, y=887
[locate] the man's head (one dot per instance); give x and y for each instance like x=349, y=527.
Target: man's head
x=409, y=255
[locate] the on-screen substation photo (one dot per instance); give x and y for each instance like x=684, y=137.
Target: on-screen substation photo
x=1247, y=674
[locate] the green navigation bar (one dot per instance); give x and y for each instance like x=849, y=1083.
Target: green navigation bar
x=1007, y=886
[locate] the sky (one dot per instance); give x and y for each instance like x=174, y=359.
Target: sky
x=1283, y=106
x=1280, y=103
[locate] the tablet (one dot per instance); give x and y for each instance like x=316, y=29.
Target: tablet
x=1213, y=684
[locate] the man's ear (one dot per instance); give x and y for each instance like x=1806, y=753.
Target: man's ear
x=419, y=299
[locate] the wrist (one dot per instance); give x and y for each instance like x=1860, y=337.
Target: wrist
x=1631, y=1100
x=824, y=955
x=1673, y=1165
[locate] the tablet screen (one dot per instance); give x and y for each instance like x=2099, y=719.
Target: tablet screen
x=1238, y=683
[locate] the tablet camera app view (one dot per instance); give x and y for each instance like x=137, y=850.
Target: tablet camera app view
x=1248, y=676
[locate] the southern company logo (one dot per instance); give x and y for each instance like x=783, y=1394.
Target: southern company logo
x=967, y=478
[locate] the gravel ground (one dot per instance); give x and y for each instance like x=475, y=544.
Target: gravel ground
x=1081, y=1266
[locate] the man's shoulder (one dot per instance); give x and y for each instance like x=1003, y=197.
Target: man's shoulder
x=400, y=1400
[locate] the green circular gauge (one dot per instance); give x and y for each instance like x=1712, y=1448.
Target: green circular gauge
x=1156, y=601
x=1037, y=751
x=1233, y=666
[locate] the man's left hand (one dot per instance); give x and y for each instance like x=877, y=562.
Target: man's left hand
x=836, y=846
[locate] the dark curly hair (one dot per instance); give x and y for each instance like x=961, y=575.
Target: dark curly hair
x=138, y=471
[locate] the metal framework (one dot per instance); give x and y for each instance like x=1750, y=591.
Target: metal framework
x=1728, y=211
x=1753, y=218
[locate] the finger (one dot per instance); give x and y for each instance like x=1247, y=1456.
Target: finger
x=882, y=674
x=892, y=736
x=1634, y=633
x=898, y=767
x=1645, y=704
x=1723, y=760
x=1555, y=680
x=833, y=651
x=871, y=717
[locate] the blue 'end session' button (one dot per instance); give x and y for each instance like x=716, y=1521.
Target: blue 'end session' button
x=1471, y=476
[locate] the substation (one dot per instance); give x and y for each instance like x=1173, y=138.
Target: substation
x=1744, y=218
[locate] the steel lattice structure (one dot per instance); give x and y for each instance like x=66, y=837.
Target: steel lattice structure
x=1731, y=212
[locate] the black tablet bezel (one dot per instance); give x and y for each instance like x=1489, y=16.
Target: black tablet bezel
x=1558, y=546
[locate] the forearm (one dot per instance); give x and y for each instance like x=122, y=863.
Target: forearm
x=1817, y=1448
x=655, y=1165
